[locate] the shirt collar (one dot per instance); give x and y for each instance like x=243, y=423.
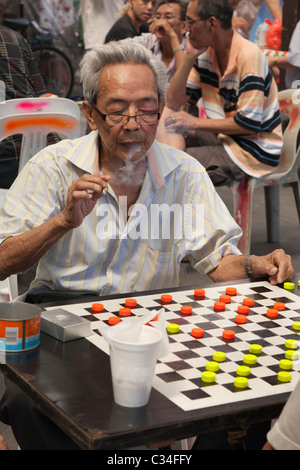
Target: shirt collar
x=233, y=54
x=162, y=159
x=86, y=152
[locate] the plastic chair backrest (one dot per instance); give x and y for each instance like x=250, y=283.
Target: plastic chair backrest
x=288, y=104
x=35, y=118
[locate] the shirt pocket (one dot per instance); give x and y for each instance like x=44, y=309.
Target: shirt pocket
x=158, y=271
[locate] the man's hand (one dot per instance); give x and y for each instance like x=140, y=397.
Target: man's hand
x=277, y=266
x=191, y=52
x=82, y=197
x=161, y=28
x=181, y=122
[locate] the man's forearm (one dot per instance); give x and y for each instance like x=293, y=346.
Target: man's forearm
x=176, y=95
x=230, y=268
x=275, y=8
x=226, y=126
x=20, y=252
x=282, y=62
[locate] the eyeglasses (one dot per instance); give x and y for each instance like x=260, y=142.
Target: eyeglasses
x=117, y=119
x=166, y=17
x=190, y=22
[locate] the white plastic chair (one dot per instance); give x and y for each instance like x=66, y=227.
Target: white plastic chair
x=35, y=118
x=285, y=173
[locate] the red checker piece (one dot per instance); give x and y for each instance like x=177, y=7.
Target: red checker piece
x=197, y=332
x=279, y=306
x=186, y=309
x=97, y=308
x=130, y=302
x=166, y=298
x=248, y=302
x=199, y=293
x=272, y=313
x=113, y=320
x=219, y=306
x=124, y=312
x=240, y=319
x=243, y=309
x=231, y=291
x=225, y=298
x=228, y=334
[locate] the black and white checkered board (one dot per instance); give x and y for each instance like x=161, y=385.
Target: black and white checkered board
x=178, y=375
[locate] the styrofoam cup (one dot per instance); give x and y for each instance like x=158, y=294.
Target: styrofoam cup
x=133, y=359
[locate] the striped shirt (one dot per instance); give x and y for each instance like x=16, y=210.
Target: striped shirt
x=248, y=93
x=177, y=214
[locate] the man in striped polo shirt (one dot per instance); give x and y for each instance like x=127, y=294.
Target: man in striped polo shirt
x=242, y=133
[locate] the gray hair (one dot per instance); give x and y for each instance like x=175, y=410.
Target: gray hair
x=95, y=60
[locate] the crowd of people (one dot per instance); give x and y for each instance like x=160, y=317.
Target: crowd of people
x=171, y=116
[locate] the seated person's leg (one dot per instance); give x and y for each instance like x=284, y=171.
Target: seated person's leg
x=219, y=166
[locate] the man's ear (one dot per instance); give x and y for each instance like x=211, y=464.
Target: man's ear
x=161, y=106
x=87, y=111
x=213, y=24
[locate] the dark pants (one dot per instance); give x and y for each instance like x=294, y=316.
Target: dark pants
x=206, y=148
x=252, y=437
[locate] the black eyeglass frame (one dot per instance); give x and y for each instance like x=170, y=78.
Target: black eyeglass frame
x=190, y=22
x=103, y=116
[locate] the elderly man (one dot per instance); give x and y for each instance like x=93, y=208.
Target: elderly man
x=119, y=166
x=242, y=134
x=84, y=208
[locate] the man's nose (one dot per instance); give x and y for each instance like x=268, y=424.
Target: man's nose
x=132, y=123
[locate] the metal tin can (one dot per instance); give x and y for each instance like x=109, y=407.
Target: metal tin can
x=20, y=325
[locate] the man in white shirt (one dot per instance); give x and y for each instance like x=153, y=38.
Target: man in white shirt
x=86, y=177
x=54, y=211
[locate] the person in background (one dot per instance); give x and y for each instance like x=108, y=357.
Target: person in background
x=166, y=39
x=289, y=62
x=242, y=134
x=97, y=17
x=21, y=79
x=246, y=11
x=284, y=434
x=133, y=22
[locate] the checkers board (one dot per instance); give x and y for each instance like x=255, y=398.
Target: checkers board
x=179, y=375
